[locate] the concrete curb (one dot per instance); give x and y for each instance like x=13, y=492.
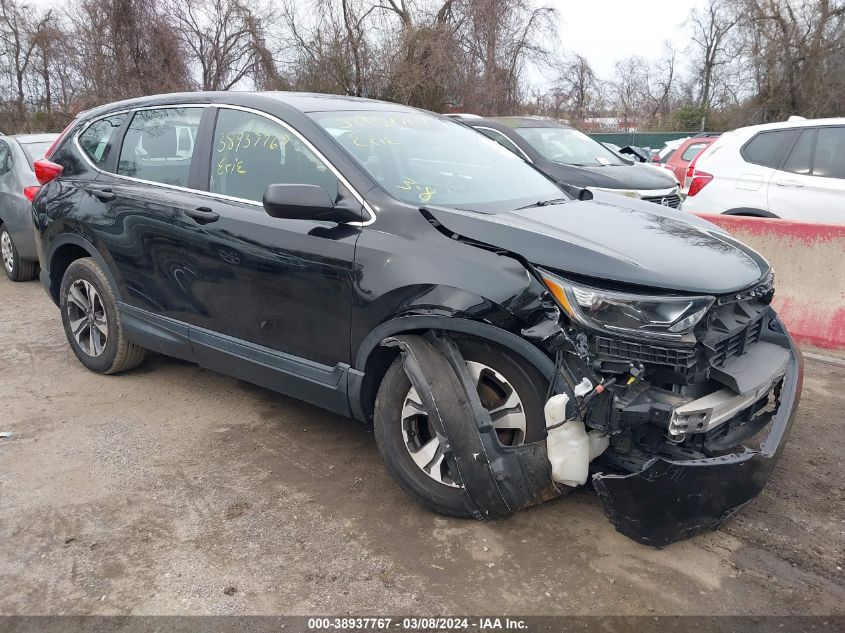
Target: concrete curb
x=809, y=263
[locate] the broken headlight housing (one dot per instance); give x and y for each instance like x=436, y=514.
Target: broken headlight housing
x=663, y=316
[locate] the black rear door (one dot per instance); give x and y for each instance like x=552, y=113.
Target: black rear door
x=141, y=195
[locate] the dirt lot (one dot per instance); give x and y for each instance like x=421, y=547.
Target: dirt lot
x=170, y=488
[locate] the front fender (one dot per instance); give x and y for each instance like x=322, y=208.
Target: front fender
x=415, y=323
x=362, y=386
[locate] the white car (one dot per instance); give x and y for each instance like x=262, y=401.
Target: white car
x=793, y=170
x=667, y=150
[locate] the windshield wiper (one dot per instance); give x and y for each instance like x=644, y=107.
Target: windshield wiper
x=543, y=203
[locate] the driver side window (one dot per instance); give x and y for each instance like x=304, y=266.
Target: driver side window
x=251, y=152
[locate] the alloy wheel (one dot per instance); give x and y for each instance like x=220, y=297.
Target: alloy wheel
x=7, y=251
x=87, y=318
x=497, y=396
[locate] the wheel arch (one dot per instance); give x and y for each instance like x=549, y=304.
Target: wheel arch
x=373, y=359
x=65, y=250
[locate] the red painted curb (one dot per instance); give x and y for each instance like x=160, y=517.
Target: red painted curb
x=809, y=262
x=805, y=231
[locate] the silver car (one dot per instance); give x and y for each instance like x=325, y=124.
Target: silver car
x=17, y=187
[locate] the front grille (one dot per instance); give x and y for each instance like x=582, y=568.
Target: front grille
x=737, y=344
x=645, y=353
x=673, y=200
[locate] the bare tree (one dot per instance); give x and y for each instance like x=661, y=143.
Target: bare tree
x=426, y=70
x=659, y=86
x=20, y=30
x=577, y=89
x=331, y=48
x=798, y=50
x=627, y=89
x=500, y=37
x=127, y=48
x=225, y=39
x=712, y=44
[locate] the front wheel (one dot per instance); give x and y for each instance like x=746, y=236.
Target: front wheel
x=510, y=390
x=15, y=268
x=91, y=320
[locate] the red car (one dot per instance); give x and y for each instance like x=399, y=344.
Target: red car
x=680, y=159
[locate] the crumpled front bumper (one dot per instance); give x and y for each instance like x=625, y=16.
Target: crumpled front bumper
x=670, y=500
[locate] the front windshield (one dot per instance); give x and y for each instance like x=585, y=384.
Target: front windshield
x=423, y=159
x=568, y=146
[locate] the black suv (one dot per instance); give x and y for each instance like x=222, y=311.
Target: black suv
x=570, y=157
x=397, y=267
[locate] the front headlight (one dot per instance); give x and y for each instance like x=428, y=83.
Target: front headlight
x=651, y=315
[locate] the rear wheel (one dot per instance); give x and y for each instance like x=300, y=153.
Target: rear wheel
x=91, y=320
x=508, y=388
x=15, y=268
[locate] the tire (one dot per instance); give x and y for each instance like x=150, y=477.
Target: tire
x=114, y=353
x=392, y=443
x=15, y=268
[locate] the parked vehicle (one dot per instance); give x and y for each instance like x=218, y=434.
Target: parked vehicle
x=629, y=152
x=17, y=186
x=793, y=170
x=631, y=155
x=666, y=152
x=574, y=159
x=397, y=267
x=680, y=159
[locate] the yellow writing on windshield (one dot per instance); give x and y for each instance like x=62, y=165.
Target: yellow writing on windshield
x=382, y=140
x=363, y=121
x=426, y=193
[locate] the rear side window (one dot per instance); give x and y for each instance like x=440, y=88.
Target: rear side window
x=252, y=152
x=34, y=151
x=692, y=151
x=800, y=158
x=159, y=145
x=830, y=153
x=769, y=148
x=99, y=137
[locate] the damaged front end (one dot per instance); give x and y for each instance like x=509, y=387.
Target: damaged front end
x=688, y=428
x=696, y=424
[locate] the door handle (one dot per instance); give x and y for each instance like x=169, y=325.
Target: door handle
x=103, y=195
x=202, y=215
x=789, y=183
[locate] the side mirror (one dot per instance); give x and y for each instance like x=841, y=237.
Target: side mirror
x=307, y=202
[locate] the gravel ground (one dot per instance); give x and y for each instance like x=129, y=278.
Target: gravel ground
x=174, y=490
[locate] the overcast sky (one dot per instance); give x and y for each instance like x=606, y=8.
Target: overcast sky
x=604, y=31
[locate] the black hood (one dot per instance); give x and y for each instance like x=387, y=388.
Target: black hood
x=640, y=243
x=636, y=176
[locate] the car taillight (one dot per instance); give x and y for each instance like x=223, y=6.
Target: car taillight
x=31, y=192
x=45, y=170
x=699, y=181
